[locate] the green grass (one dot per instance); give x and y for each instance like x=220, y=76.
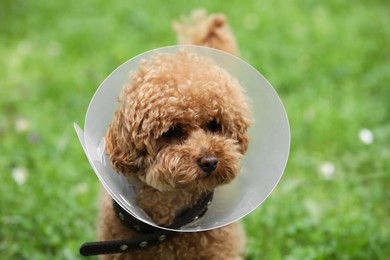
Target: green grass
x=329, y=62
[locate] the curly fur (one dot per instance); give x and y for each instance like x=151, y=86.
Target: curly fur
x=177, y=109
x=207, y=30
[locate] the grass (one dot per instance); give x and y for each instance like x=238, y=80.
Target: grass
x=329, y=62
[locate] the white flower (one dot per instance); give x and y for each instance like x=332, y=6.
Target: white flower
x=54, y=49
x=366, y=136
x=327, y=169
x=24, y=47
x=81, y=188
x=251, y=21
x=22, y=124
x=309, y=114
x=19, y=174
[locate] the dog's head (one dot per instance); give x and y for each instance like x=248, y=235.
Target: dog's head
x=182, y=124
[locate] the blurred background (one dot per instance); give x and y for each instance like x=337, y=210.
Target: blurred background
x=328, y=60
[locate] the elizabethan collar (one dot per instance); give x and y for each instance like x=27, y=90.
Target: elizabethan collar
x=262, y=165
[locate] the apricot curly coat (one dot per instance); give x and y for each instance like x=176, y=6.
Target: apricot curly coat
x=178, y=109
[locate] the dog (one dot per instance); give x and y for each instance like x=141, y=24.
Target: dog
x=178, y=133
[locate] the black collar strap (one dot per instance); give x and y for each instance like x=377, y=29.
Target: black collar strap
x=149, y=235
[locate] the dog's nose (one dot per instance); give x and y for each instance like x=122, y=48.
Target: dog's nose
x=208, y=163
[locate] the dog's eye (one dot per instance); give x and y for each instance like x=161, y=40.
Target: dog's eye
x=214, y=126
x=174, y=132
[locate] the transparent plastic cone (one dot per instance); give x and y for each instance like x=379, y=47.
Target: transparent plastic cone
x=262, y=165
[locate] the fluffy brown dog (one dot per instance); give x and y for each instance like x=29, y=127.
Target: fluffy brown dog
x=179, y=131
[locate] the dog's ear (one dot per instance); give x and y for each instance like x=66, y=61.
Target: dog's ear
x=241, y=133
x=238, y=119
x=243, y=141
x=124, y=156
